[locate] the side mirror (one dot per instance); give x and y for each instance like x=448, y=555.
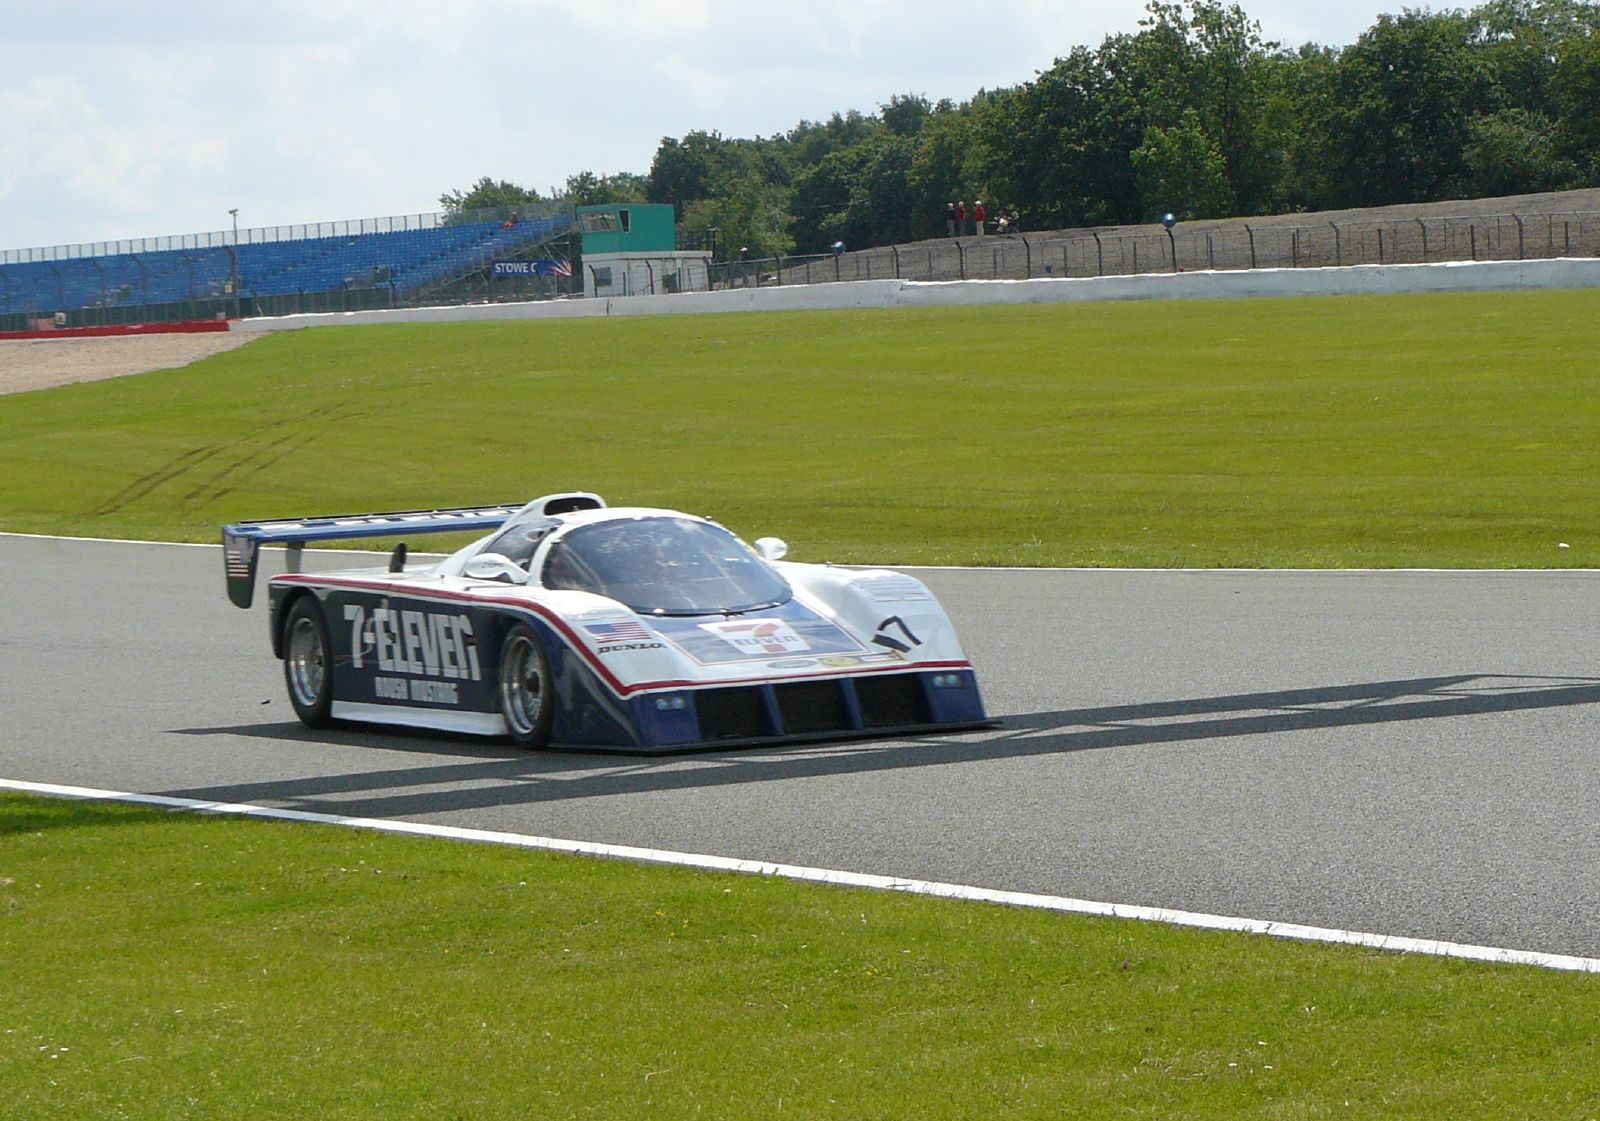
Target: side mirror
x=494, y=566
x=771, y=548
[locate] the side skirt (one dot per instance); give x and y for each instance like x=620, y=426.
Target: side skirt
x=472, y=723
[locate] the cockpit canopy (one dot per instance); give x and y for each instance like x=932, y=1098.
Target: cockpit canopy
x=663, y=565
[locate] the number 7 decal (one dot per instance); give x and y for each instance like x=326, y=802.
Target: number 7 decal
x=888, y=641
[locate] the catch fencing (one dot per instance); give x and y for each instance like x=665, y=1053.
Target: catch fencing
x=1275, y=242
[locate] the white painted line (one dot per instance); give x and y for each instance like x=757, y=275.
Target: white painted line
x=846, y=879
x=116, y=540
x=376, y=552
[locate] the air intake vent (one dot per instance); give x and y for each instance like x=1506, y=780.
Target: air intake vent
x=731, y=714
x=890, y=700
x=813, y=706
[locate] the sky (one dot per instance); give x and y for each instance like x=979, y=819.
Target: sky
x=129, y=120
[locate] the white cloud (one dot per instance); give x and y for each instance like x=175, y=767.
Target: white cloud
x=120, y=121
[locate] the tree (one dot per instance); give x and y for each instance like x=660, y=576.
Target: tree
x=1299, y=115
x=1407, y=92
x=588, y=189
x=1181, y=170
x=859, y=195
x=1512, y=152
x=747, y=213
x=1520, y=45
x=945, y=166
x=683, y=170
x=1232, y=87
x=1577, y=85
x=810, y=142
x=905, y=113
x=1057, y=147
x=486, y=194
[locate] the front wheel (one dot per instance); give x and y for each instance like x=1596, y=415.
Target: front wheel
x=525, y=696
x=308, y=663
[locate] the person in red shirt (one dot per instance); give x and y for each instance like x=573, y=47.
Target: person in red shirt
x=978, y=216
x=961, y=217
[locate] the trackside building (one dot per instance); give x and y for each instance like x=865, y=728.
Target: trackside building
x=631, y=249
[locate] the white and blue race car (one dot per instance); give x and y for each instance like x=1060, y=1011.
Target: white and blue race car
x=577, y=625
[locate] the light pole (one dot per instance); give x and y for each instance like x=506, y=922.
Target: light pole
x=234, y=212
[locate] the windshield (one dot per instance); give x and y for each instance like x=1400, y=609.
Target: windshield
x=669, y=566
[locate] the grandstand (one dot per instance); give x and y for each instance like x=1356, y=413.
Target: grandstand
x=371, y=263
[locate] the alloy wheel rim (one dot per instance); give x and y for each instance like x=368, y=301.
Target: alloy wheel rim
x=306, y=669
x=522, y=686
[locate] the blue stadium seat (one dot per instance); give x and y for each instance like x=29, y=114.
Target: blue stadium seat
x=408, y=261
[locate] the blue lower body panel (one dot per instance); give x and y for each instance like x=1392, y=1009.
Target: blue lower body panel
x=869, y=705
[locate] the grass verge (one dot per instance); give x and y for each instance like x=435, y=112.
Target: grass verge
x=1437, y=430
x=166, y=965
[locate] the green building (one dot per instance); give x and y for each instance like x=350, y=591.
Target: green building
x=631, y=249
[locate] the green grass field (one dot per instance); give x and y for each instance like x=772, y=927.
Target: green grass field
x=175, y=966
x=155, y=965
x=1442, y=430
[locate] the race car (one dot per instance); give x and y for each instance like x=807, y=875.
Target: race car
x=574, y=624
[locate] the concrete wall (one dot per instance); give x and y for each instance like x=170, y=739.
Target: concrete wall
x=1465, y=276
x=644, y=273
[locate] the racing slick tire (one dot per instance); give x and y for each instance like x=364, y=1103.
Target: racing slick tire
x=308, y=663
x=524, y=690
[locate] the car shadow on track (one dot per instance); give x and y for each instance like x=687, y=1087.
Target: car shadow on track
x=482, y=775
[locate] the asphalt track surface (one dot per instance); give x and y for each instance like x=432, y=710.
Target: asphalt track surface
x=1413, y=754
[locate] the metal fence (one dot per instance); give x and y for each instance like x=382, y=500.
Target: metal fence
x=1273, y=242
x=1251, y=244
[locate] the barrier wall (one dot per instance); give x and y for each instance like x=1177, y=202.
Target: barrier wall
x=1460, y=276
x=173, y=327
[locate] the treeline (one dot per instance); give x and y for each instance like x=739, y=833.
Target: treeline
x=1194, y=114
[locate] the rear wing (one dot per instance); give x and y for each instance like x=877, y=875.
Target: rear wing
x=242, y=541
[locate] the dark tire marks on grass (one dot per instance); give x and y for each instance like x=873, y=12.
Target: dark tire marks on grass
x=236, y=473
x=241, y=469
x=239, y=463
x=145, y=484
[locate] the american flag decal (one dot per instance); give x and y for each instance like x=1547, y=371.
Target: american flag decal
x=618, y=632
x=239, y=556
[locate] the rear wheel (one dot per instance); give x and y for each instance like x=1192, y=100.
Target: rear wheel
x=308, y=663
x=525, y=697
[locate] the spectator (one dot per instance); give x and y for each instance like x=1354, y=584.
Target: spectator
x=511, y=221
x=950, y=219
x=961, y=217
x=978, y=215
